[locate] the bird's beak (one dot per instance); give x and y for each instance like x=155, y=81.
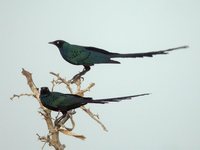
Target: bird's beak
x=51, y=42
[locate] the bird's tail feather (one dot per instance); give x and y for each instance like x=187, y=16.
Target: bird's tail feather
x=116, y=99
x=146, y=54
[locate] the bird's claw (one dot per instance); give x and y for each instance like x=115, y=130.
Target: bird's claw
x=73, y=112
x=56, y=122
x=62, y=119
x=76, y=78
x=79, y=75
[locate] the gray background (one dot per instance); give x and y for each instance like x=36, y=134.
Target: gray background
x=167, y=119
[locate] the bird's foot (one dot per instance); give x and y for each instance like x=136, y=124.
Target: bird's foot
x=76, y=78
x=58, y=121
x=72, y=112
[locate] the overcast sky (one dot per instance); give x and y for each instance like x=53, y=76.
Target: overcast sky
x=167, y=119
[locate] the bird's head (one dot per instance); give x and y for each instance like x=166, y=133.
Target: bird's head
x=44, y=91
x=58, y=43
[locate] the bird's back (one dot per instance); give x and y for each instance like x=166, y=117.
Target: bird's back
x=62, y=102
x=82, y=55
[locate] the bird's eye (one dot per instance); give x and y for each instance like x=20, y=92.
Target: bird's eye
x=58, y=42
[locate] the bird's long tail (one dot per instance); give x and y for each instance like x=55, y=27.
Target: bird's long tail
x=116, y=99
x=146, y=54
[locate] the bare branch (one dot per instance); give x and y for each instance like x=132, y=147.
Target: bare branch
x=42, y=113
x=20, y=95
x=53, y=84
x=53, y=137
x=88, y=111
x=66, y=132
x=62, y=80
x=42, y=138
x=95, y=117
x=78, y=84
x=81, y=92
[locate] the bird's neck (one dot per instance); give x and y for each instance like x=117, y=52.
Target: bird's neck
x=45, y=99
x=45, y=95
x=64, y=50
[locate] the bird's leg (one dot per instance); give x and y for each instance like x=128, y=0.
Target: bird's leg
x=80, y=74
x=58, y=120
x=69, y=116
x=57, y=115
x=61, y=120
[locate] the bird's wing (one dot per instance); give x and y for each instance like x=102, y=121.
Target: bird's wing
x=79, y=55
x=94, y=49
x=68, y=101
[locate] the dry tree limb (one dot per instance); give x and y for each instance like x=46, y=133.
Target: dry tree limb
x=81, y=93
x=67, y=132
x=94, y=116
x=53, y=138
x=44, y=139
x=53, y=84
x=20, y=95
x=60, y=80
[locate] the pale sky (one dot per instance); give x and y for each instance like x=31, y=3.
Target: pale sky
x=167, y=119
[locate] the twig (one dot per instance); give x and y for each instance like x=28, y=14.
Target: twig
x=53, y=84
x=43, y=139
x=88, y=111
x=62, y=80
x=66, y=132
x=81, y=92
x=23, y=94
x=95, y=117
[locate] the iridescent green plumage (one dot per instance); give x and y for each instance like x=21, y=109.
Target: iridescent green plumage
x=64, y=102
x=89, y=56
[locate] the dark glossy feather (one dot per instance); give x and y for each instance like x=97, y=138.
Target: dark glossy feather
x=57, y=101
x=89, y=56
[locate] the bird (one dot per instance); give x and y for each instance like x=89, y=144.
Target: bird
x=63, y=103
x=89, y=56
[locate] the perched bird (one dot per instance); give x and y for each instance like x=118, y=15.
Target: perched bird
x=88, y=56
x=64, y=102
